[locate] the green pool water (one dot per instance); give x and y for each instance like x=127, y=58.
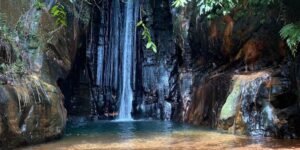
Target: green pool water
x=155, y=135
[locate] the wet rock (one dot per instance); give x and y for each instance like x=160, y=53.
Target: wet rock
x=227, y=46
x=249, y=107
x=30, y=117
x=32, y=105
x=207, y=101
x=229, y=109
x=156, y=69
x=1, y=126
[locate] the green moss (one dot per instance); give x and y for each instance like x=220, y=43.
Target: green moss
x=229, y=109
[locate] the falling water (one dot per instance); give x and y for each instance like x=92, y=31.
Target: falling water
x=257, y=119
x=49, y=3
x=128, y=47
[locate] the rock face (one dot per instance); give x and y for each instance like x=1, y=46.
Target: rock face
x=243, y=80
x=223, y=73
x=100, y=79
x=260, y=103
x=234, y=74
x=158, y=70
x=35, y=54
x=250, y=108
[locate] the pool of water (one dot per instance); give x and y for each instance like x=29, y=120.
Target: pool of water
x=155, y=135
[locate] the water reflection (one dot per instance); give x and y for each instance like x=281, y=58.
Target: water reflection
x=156, y=135
x=126, y=130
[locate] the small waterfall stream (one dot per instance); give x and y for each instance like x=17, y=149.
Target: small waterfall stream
x=127, y=64
x=250, y=96
x=258, y=113
x=49, y=3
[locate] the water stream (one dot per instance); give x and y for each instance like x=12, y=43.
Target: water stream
x=127, y=64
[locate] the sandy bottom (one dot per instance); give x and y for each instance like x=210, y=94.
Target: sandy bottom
x=161, y=135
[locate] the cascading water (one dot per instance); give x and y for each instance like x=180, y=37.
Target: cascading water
x=250, y=96
x=115, y=57
x=258, y=113
x=49, y=3
x=127, y=64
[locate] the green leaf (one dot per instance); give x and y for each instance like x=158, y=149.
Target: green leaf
x=291, y=33
x=149, y=45
x=139, y=23
x=58, y=11
x=147, y=37
x=179, y=3
x=154, y=48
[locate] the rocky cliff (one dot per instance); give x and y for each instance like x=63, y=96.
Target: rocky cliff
x=233, y=72
x=35, y=54
x=93, y=87
x=243, y=78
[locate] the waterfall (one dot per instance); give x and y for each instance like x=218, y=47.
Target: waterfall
x=257, y=112
x=250, y=97
x=127, y=64
x=49, y=3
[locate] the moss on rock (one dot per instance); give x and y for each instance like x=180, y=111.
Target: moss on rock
x=229, y=109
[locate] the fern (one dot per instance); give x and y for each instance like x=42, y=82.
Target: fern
x=147, y=36
x=291, y=32
x=58, y=11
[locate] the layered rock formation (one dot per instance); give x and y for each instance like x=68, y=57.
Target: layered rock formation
x=223, y=73
x=99, y=79
x=234, y=74
x=35, y=54
x=241, y=72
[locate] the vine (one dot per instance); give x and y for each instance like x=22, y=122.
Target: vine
x=147, y=36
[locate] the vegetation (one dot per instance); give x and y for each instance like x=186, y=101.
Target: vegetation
x=179, y=3
x=223, y=7
x=58, y=11
x=8, y=66
x=291, y=33
x=147, y=36
x=39, y=4
x=215, y=8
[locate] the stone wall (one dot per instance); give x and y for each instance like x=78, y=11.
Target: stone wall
x=32, y=104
